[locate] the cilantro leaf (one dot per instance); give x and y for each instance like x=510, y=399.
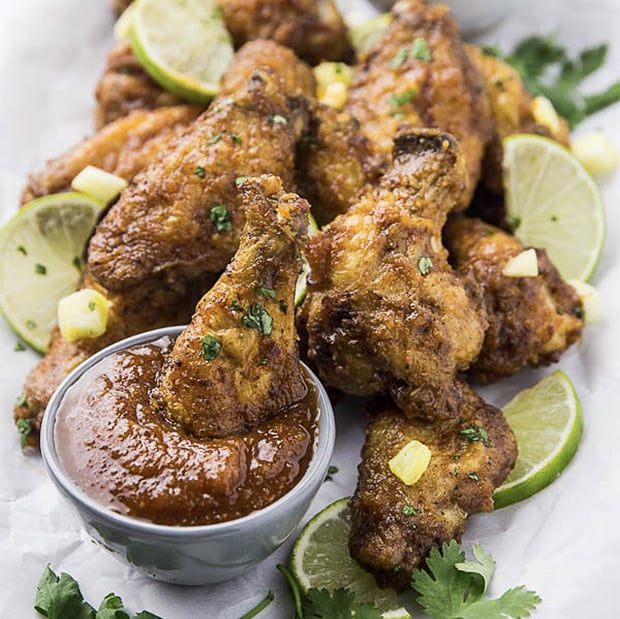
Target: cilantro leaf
x=337, y=604
x=110, y=608
x=454, y=588
x=60, y=597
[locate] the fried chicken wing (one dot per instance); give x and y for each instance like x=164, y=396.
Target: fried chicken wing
x=126, y=86
x=419, y=74
x=394, y=526
x=335, y=163
x=532, y=320
x=163, y=304
x=384, y=311
x=513, y=112
x=237, y=362
x=124, y=147
x=183, y=213
x=312, y=28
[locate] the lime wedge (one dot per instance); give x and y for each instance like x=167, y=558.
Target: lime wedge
x=182, y=44
x=321, y=560
x=302, y=284
x=554, y=203
x=548, y=423
x=41, y=249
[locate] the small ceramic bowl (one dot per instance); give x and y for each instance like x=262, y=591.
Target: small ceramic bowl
x=191, y=555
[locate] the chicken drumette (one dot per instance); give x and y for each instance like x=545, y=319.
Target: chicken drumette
x=385, y=311
x=240, y=349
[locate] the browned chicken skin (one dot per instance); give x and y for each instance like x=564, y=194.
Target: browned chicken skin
x=126, y=86
x=532, y=320
x=419, y=74
x=237, y=362
x=184, y=211
x=312, y=28
x=163, y=304
x=394, y=526
x=385, y=311
x=124, y=147
x=335, y=163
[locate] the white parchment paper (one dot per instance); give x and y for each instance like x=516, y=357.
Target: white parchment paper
x=564, y=542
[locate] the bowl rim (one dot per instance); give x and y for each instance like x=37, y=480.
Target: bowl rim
x=323, y=450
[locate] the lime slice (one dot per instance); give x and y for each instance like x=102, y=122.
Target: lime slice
x=554, y=203
x=40, y=260
x=182, y=44
x=321, y=560
x=302, y=285
x=548, y=423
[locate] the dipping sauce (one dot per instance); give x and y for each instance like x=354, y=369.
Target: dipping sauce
x=119, y=449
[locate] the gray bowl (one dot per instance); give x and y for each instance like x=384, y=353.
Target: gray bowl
x=190, y=555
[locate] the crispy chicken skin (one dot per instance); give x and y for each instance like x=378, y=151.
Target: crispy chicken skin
x=312, y=28
x=394, y=84
x=260, y=54
x=184, y=211
x=125, y=86
x=249, y=317
x=511, y=106
x=165, y=303
x=335, y=163
x=532, y=320
x=384, y=310
x=394, y=526
x=124, y=147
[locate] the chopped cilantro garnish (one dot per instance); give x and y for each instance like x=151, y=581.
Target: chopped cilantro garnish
x=474, y=476
x=257, y=317
x=476, y=434
x=77, y=262
x=409, y=510
x=278, y=119
x=399, y=58
x=200, y=171
x=425, y=265
x=24, y=427
x=241, y=179
x=218, y=215
x=19, y=347
x=210, y=347
x=40, y=269
x=268, y=293
x=420, y=49
x=215, y=139
x=31, y=324
x=22, y=250
x=331, y=471
x=235, y=138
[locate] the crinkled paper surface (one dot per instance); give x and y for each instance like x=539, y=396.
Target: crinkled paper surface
x=564, y=542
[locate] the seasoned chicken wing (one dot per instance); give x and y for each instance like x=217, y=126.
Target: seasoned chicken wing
x=385, y=311
x=124, y=147
x=419, y=74
x=335, y=163
x=164, y=303
x=183, y=214
x=237, y=362
x=394, y=526
x=312, y=28
x=126, y=86
x=532, y=320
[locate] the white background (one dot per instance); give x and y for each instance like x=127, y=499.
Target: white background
x=564, y=542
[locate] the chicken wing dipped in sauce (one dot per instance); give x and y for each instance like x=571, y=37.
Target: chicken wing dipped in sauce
x=385, y=312
x=183, y=214
x=240, y=348
x=419, y=74
x=124, y=147
x=532, y=320
x=395, y=525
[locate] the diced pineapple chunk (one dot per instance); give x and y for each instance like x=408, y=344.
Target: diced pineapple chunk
x=544, y=114
x=410, y=462
x=82, y=314
x=332, y=83
x=591, y=301
x=524, y=264
x=98, y=183
x=595, y=152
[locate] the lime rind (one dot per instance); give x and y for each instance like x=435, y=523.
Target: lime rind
x=38, y=248
x=190, y=66
x=544, y=450
x=321, y=559
x=555, y=203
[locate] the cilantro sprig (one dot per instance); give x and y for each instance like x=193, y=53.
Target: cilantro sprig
x=454, y=588
x=547, y=69
x=59, y=597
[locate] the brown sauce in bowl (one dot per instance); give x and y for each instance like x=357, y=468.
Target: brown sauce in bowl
x=117, y=447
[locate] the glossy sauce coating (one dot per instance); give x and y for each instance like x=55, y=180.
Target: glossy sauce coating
x=120, y=450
